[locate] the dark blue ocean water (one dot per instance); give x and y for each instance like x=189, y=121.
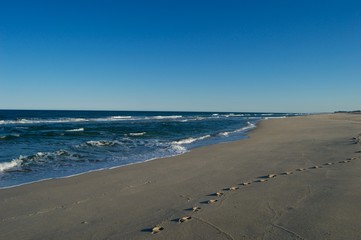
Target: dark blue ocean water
x=36, y=145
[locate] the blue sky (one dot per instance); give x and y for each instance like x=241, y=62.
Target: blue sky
x=283, y=56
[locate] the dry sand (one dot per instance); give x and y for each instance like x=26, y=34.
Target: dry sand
x=127, y=202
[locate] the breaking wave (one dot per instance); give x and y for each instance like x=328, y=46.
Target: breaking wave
x=190, y=140
x=76, y=130
x=137, y=134
x=8, y=165
x=39, y=157
x=164, y=117
x=101, y=143
x=249, y=126
x=63, y=120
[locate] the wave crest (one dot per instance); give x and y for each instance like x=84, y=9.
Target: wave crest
x=76, y=130
x=100, y=143
x=190, y=140
x=8, y=165
x=249, y=126
x=137, y=134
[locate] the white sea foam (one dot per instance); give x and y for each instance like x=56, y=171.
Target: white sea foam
x=165, y=117
x=266, y=118
x=76, y=130
x=8, y=165
x=190, y=140
x=193, y=119
x=37, y=157
x=63, y=120
x=120, y=117
x=233, y=115
x=137, y=134
x=100, y=143
x=249, y=126
x=178, y=148
x=36, y=121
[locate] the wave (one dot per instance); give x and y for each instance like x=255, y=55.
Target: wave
x=37, y=121
x=25, y=121
x=249, y=126
x=233, y=115
x=9, y=136
x=164, y=117
x=76, y=130
x=190, y=140
x=137, y=134
x=63, y=120
x=38, y=157
x=4, y=166
x=120, y=117
x=178, y=149
x=274, y=117
x=100, y=143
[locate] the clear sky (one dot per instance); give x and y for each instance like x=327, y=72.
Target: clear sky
x=283, y=56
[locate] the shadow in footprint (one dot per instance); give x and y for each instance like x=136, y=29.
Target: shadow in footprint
x=315, y=167
x=148, y=230
x=153, y=230
x=216, y=194
x=263, y=177
x=261, y=181
x=193, y=209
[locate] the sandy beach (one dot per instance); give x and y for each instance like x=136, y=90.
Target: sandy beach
x=304, y=183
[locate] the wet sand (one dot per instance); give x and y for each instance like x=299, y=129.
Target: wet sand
x=304, y=175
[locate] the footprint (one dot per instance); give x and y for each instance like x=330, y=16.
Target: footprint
x=233, y=188
x=271, y=175
x=184, y=219
x=212, y=201
x=315, y=167
x=261, y=180
x=157, y=229
x=287, y=173
x=218, y=194
x=329, y=163
x=196, y=209
x=301, y=169
x=245, y=183
x=345, y=161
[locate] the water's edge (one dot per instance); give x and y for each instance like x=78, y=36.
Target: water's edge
x=141, y=162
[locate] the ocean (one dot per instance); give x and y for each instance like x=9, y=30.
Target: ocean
x=37, y=145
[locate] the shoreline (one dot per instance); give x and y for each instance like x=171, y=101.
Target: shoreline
x=245, y=131
x=129, y=200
